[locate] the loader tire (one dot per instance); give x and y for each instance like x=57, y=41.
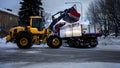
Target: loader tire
x=24, y=40
x=54, y=41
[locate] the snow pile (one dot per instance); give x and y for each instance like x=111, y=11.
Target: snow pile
x=109, y=43
x=110, y=40
x=3, y=43
x=2, y=40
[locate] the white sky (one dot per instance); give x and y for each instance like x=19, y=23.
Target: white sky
x=12, y=4
x=54, y=6
x=50, y=6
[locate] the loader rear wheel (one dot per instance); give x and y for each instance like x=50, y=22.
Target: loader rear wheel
x=54, y=41
x=24, y=40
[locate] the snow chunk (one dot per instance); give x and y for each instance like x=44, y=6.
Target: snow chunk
x=3, y=43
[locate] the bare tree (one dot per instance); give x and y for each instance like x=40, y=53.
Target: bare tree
x=113, y=13
x=96, y=13
x=106, y=13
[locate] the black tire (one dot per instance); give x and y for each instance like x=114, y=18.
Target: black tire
x=85, y=44
x=54, y=41
x=74, y=43
x=94, y=43
x=71, y=43
x=24, y=40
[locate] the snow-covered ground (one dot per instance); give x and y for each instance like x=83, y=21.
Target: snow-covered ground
x=75, y=65
x=61, y=65
x=110, y=43
x=110, y=40
x=3, y=44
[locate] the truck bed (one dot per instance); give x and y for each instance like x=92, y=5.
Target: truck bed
x=92, y=34
x=86, y=35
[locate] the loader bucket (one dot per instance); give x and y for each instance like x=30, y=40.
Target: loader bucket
x=71, y=15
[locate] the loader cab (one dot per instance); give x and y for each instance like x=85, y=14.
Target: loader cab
x=37, y=22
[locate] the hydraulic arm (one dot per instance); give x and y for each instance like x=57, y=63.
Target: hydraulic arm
x=55, y=20
x=69, y=15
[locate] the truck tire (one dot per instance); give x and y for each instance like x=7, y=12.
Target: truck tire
x=54, y=41
x=24, y=40
x=71, y=43
x=84, y=44
x=93, y=43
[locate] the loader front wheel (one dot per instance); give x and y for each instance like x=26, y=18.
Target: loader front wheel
x=54, y=41
x=24, y=40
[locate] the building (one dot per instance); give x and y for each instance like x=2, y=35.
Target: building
x=8, y=19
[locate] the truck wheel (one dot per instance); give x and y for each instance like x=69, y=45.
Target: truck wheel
x=71, y=43
x=94, y=43
x=24, y=40
x=76, y=43
x=84, y=44
x=54, y=41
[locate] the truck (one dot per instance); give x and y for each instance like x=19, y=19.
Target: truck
x=37, y=33
x=78, y=35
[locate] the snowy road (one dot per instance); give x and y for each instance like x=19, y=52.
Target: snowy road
x=103, y=56
x=44, y=57
x=45, y=54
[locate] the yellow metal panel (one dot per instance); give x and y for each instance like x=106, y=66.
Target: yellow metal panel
x=35, y=17
x=36, y=39
x=19, y=28
x=44, y=40
x=8, y=38
x=36, y=31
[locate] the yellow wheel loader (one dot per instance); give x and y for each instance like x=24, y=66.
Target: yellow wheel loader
x=36, y=33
